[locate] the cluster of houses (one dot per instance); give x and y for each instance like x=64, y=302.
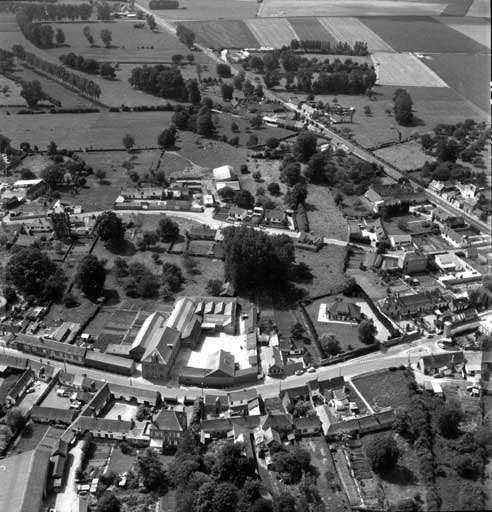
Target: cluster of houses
x=12, y=195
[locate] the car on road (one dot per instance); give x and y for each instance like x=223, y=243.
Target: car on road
x=311, y=369
x=299, y=372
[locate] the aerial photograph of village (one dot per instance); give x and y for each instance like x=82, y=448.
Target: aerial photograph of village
x=245, y=256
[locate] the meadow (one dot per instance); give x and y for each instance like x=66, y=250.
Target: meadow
x=405, y=156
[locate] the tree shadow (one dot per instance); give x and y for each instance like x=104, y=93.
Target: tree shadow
x=111, y=297
x=401, y=475
x=126, y=248
x=310, y=207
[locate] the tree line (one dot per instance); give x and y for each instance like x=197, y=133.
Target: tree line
x=58, y=12
x=82, y=84
x=39, y=34
x=90, y=66
x=165, y=82
x=185, y=35
x=163, y=4
x=340, y=48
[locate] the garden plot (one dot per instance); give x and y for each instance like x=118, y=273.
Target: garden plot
x=351, y=30
x=404, y=69
x=477, y=29
x=276, y=8
x=308, y=29
x=272, y=33
x=223, y=34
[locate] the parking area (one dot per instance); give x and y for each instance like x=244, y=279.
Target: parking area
x=56, y=401
x=121, y=410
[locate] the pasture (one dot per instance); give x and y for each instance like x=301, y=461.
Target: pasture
x=469, y=75
x=351, y=30
x=421, y=35
x=404, y=69
x=129, y=44
x=272, y=33
x=477, y=29
x=215, y=9
x=311, y=28
x=405, y=156
x=219, y=34
x=280, y=8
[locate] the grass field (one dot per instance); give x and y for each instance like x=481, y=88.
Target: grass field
x=215, y=9
x=404, y=69
x=420, y=34
x=325, y=218
x=351, y=30
x=129, y=44
x=12, y=96
x=469, y=75
x=384, y=389
x=477, y=29
x=223, y=34
x=311, y=28
x=404, y=156
x=272, y=33
x=279, y=8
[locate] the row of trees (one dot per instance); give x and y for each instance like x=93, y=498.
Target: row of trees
x=165, y=82
x=105, y=34
x=90, y=66
x=340, y=48
x=163, y=4
x=58, y=11
x=40, y=34
x=82, y=84
x=190, y=119
x=185, y=35
x=357, y=81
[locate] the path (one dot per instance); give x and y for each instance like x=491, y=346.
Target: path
x=67, y=500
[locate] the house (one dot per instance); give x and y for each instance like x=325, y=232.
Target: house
x=343, y=310
x=215, y=404
x=24, y=481
x=43, y=347
x=110, y=363
x=135, y=394
x=412, y=262
x=160, y=355
x=167, y=428
x=265, y=437
x=52, y=415
x=118, y=349
x=375, y=200
x=237, y=214
x=17, y=391
x=272, y=361
x=400, y=241
x=409, y=305
x=440, y=363
x=308, y=426
x=103, y=428
x=274, y=216
x=58, y=448
x=238, y=400
x=467, y=190
x=150, y=334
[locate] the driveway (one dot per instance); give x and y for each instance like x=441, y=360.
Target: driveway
x=67, y=500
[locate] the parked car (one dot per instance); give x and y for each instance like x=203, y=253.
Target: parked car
x=299, y=372
x=311, y=369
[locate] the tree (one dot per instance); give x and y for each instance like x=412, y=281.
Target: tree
x=128, y=142
x=232, y=465
x=272, y=142
x=106, y=37
x=151, y=22
x=190, y=58
x=252, y=141
x=227, y=91
x=227, y=194
x=33, y=273
x=103, y=11
x=214, y=287
x=100, y=175
x=167, y=138
x=248, y=88
x=109, y=228
x=225, y=498
x=185, y=35
x=449, y=420
x=177, y=58
x=256, y=122
x=244, y=199
x=367, y=332
x=367, y=110
x=296, y=195
x=273, y=188
x=87, y=34
x=383, y=454
x=60, y=36
x=286, y=503
x=90, y=275
x=305, y=146
x=15, y=419
x=330, y=345
x=403, y=107
x=108, y=502
x=257, y=176
x=291, y=174
x=53, y=175
x=168, y=229
x=150, y=470
x=223, y=70
x=32, y=93
x=297, y=331
x=106, y=70
x=172, y=276
x=204, y=123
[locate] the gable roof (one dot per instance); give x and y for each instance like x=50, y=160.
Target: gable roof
x=174, y=421
x=221, y=361
x=52, y=414
x=161, y=348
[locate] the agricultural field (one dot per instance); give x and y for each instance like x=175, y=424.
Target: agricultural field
x=215, y=9
x=272, y=33
x=422, y=35
x=477, y=29
x=469, y=75
x=279, y=8
x=479, y=9
x=405, y=156
x=351, y=30
x=129, y=44
x=219, y=34
x=311, y=28
x=10, y=93
x=404, y=69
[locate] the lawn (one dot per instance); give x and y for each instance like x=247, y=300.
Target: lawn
x=384, y=389
x=218, y=34
x=405, y=156
x=421, y=34
x=469, y=75
x=325, y=218
x=327, y=268
x=120, y=462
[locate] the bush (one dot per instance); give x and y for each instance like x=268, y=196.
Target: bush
x=383, y=454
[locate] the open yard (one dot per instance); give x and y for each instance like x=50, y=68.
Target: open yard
x=404, y=69
x=278, y=8
x=405, y=156
x=272, y=33
x=121, y=410
x=119, y=462
x=351, y=30
x=310, y=28
x=469, y=75
x=219, y=34
x=422, y=34
x=384, y=388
